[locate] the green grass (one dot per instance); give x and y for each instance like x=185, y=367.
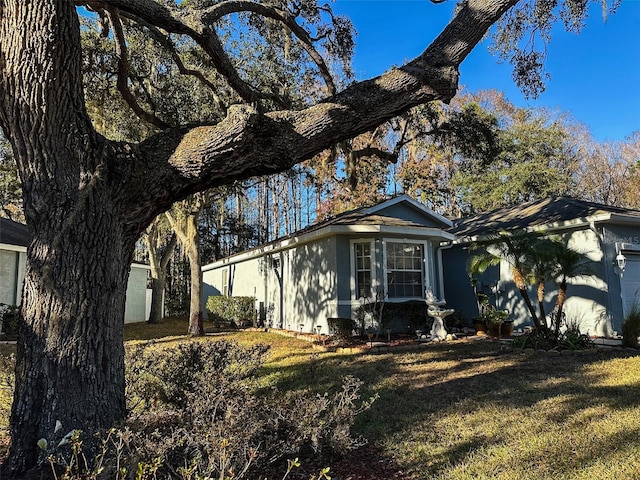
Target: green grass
x=468, y=410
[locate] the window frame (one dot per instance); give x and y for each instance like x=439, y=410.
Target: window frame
x=355, y=294
x=425, y=274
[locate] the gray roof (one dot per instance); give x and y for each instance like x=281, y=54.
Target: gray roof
x=365, y=216
x=13, y=233
x=549, y=211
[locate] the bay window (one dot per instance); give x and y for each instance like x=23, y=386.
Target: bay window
x=404, y=269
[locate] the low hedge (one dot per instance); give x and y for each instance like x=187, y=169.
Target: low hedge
x=341, y=327
x=400, y=317
x=9, y=317
x=232, y=311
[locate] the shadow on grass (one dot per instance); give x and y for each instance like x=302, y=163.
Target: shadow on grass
x=457, y=405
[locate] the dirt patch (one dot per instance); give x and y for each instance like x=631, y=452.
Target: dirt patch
x=365, y=463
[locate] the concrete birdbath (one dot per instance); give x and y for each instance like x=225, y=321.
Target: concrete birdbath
x=438, y=332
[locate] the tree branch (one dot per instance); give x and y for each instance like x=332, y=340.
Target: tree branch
x=375, y=152
x=220, y=10
x=191, y=25
x=123, y=72
x=465, y=31
x=168, y=45
x=247, y=143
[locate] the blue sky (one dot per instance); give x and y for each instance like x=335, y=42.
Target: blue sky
x=595, y=76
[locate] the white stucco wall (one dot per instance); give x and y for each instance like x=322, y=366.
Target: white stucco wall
x=302, y=289
x=136, y=305
x=13, y=262
x=12, y=267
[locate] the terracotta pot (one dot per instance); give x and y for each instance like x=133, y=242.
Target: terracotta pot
x=507, y=329
x=480, y=326
x=494, y=329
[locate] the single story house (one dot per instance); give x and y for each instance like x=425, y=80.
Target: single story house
x=14, y=239
x=330, y=269
x=400, y=249
x=596, y=303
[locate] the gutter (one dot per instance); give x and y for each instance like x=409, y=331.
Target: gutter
x=325, y=232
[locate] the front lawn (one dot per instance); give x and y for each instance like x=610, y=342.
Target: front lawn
x=473, y=410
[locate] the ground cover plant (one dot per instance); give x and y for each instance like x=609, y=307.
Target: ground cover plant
x=468, y=409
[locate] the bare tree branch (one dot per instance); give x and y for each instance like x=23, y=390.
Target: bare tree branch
x=123, y=72
x=168, y=45
x=375, y=152
x=220, y=10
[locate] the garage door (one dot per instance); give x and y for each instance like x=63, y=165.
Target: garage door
x=630, y=283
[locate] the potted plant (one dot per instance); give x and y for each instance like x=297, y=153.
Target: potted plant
x=480, y=323
x=506, y=329
x=495, y=318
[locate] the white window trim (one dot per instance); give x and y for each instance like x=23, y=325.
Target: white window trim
x=427, y=262
x=352, y=260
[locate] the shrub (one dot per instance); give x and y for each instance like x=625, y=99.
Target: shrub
x=494, y=316
x=196, y=406
x=631, y=328
x=7, y=384
x=342, y=328
x=545, y=339
x=401, y=316
x=234, y=311
x=168, y=376
x=9, y=315
x=572, y=339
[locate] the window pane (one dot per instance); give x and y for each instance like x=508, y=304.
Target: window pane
x=362, y=252
x=404, y=269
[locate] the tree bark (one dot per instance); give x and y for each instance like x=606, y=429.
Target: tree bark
x=87, y=200
x=543, y=315
x=70, y=354
x=158, y=263
x=70, y=347
x=562, y=297
x=521, y=285
x=185, y=225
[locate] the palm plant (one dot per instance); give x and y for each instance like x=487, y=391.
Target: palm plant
x=543, y=264
x=570, y=263
x=515, y=249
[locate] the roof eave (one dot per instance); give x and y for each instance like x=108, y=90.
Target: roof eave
x=325, y=232
x=604, y=217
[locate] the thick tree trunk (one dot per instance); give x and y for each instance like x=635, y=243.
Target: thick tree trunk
x=69, y=365
x=70, y=351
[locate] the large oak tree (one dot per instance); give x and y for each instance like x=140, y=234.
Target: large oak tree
x=87, y=199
